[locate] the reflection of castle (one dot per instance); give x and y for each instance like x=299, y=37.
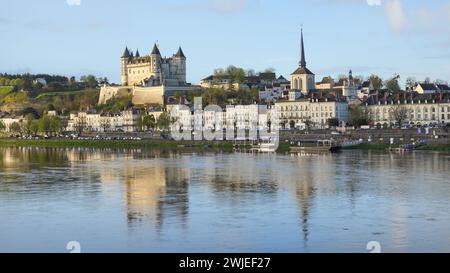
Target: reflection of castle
x=151, y=191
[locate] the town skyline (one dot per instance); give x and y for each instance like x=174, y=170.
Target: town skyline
x=352, y=43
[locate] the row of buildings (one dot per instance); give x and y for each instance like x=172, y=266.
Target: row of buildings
x=296, y=103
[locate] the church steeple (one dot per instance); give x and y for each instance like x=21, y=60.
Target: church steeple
x=137, y=53
x=302, y=53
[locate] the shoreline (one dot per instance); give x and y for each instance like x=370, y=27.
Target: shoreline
x=225, y=146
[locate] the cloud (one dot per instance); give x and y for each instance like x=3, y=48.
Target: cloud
x=373, y=2
x=448, y=11
x=73, y=2
x=227, y=6
x=396, y=15
x=425, y=16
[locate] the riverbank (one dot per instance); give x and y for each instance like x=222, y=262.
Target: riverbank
x=118, y=144
x=225, y=146
x=383, y=147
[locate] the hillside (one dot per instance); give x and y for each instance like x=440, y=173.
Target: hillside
x=14, y=102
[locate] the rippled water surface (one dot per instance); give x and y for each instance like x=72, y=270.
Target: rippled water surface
x=155, y=201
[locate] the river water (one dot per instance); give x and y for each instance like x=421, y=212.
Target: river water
x=159, y=201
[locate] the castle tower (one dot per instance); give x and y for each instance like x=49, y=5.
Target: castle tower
x=124, y=61
x=155, y=59
x=302, y=78
x=180, y=62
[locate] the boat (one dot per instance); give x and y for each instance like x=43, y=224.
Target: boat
x=403, y=148
x=266, y=144
x=348, y=144
x=316, y=146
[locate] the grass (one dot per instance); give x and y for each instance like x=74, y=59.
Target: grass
x=118, y=144
x=435, y=147
x=177, y=145
x=381, y=147
x=369, y=146
x=62, y=93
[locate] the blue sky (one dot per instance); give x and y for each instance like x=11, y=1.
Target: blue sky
x=77, y=37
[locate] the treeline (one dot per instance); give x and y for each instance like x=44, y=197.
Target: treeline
x=237, y=74
x=222, y=97
x=43, y=83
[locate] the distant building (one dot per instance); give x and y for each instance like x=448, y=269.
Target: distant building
x=419, y=109
x=125, y=121
x=8, y=121
x=315, y=111
x=431, y=88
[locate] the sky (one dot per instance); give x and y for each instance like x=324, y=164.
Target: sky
x=78, y=37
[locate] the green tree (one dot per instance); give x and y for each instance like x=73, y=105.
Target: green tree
x=55, y=125
x=44, y=125
x=392, y=85
x=215, y=96
x=376, y=81
x=333, y=122
x=26, y=123
x=34, y=127
x=2, y=126
x=149, y=122
x=90, y=81
x=193, y=94
x=140, y=122
x=359, y=116
x=240, y=75
x=15, y=127
x=163, y=121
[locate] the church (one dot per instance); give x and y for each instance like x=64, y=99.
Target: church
x=302, y=78
x=303, y=81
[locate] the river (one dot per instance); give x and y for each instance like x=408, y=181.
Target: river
x=161, y=201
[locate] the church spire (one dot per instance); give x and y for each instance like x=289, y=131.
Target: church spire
x=302, y=54
x=137, y=53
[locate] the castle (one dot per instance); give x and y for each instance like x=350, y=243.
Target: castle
x=153, y=69
x=150, y=79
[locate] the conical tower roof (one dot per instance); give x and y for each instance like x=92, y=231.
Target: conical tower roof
x=180, y=53
x=155, y=50
x=126, y=53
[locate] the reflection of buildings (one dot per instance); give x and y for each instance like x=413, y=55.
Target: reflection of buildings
x=154, y=192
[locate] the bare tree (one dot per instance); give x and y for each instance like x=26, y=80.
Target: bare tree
x=398, y=114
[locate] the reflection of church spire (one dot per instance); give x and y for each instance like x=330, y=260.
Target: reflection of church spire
x=302, y=53
x=304, y=193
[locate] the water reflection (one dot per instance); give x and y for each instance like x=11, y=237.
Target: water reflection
x=233, y=202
